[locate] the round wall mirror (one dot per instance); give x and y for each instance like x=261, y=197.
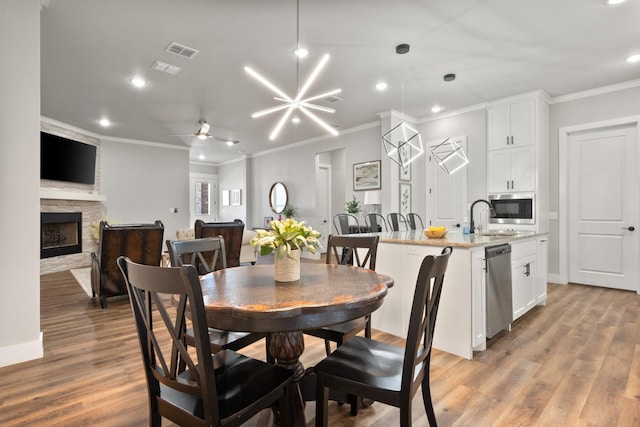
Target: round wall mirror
x=278, y=197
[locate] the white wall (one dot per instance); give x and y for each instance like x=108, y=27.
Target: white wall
x=143, y=181
x=295, y=167
x=233, y=176
x=622, y=103
x=20, y=337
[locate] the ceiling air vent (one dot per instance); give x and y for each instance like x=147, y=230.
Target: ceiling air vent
x=166, y=68
x=332, y=99
x=181, y=50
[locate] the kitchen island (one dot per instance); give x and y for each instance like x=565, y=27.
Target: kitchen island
x=460, y=325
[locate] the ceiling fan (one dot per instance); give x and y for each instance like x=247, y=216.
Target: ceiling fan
x=203, y=133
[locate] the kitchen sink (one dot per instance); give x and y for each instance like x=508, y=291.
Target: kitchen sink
x=497, y=233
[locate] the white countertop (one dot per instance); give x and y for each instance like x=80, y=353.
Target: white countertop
x=454, y=238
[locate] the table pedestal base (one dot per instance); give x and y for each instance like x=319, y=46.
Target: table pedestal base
x=286, y=348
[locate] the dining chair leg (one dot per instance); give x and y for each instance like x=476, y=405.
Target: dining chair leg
x=327, y=347
x=367, y=328
x=353, y=401
x=428, y=405
x=405, y=415
x=322, y=402
x=426, y=396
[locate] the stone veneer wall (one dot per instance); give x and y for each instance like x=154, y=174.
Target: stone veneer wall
x=91, y=210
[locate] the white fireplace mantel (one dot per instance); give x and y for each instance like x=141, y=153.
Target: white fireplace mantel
x=47, y=193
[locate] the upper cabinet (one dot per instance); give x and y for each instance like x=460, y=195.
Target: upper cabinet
x=512, y=125
x=516, y=133
x=511, y=170
x=517, y=149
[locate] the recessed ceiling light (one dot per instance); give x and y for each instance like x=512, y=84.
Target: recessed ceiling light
x=105, y=122
x=301, y=52
x=633, y=58
x=381, y=86
x=138, y=82
x=613, y=2
x=230, y=143
x=201, y=156
x=436, y=109
x=296, y=120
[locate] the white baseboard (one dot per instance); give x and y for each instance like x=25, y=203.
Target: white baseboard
x=555, y=278
x=21, y=352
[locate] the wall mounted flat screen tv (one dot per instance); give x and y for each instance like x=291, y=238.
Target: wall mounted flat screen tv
x=62, y=159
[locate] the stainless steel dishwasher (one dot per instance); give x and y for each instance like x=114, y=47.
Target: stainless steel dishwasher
x=498, y=273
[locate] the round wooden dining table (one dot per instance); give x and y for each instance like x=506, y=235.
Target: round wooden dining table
x=248, y=299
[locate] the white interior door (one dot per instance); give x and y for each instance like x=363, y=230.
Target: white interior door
x=203, y=197
x=323, y=202
x=446, y=194
x=603, y=208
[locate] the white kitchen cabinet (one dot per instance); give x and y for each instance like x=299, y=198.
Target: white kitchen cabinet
x=461, y=324
x=517, y=148
x=512, y=124
x=541, y=276
x=454, y=323
x=511, y=169
x=478, y=299
x=523, y=276
x=524, y=271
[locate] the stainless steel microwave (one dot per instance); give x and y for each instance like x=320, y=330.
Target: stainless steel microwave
x=513, y=208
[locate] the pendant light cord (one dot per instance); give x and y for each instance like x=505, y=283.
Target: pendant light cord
x=450, y=112
x=402, y=98
x=297, y=45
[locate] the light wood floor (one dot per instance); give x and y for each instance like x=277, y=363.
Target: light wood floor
x=575, y=362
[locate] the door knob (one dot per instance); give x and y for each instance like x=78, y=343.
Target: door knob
x=631, y=228
x=456, y=225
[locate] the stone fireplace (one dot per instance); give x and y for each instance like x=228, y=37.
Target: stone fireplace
x=60, y=233
x=59, y=199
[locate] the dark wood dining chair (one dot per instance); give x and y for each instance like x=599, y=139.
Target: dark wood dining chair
x=376, y=222
x=140, y=242
x=344, y=250
x=221, y=389
x=341, y=222
x=205, y=255
x=384, y=372
x=395, y=219
x=232, y=233
x=413, y=220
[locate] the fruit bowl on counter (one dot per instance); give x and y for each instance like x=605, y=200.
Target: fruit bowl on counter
x=435, y=232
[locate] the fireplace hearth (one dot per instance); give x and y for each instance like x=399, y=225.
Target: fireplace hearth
x=60, y=233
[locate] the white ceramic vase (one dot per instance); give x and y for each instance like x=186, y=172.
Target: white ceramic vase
x=288, y=269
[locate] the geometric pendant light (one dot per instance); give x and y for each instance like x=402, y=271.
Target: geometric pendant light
x=403, y=143
x=449, y=154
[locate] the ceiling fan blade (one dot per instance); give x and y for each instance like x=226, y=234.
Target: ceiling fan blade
x=235, y=141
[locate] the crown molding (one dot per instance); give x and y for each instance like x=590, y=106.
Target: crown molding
x=595, y=92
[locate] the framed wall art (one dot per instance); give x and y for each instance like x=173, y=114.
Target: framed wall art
x=405, y=198
x=405, y=172
x=367, y=176
x=236, y=197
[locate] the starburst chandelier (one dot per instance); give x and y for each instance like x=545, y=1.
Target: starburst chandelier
x=299, y=102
